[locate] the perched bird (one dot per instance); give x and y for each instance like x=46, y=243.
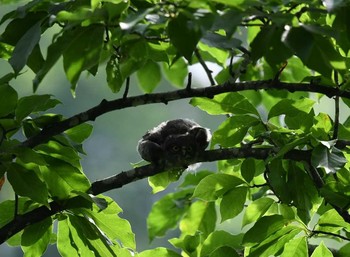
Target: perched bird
x=174, y=142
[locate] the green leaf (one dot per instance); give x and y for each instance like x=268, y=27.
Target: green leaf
x=184, y=34
x=160, y=251
x=344, y=251
x=7, y=209
x=214, y=54
x=134, y=18
x=24, y=47
x=251, y=167
x=291, y=107
x=232, y=131
x=232, y=202
x=332, y=219
x=63, y=179
x=275, y=242
x=224, y=251
x=267, y=43
x=176, y=73
x=264, y=227
x=315, y=50
x=92, y=236
x=54, y=52
x=296, y=247
x=233, y=3
x=306, y=199
x=36, y=238
x=5, y=53
x=69, y=242
x=340, y=25
x=149, y=76
x=114, y=77
x=23, y=181
x=34, y=103
x=28, y=155
x=279, y=182
x=8, y=100
x=118, y=230
x=256, y=209
x=201, y=216
x=322, y=126
x=213, y=186
x=161, y=181
x=330, y=160
x=35, y=59
x=227, y=103
x=59, y=151
x=159, y=221
x=322, y=250
x=219, y=239
x=83, y=52
x=79, y=133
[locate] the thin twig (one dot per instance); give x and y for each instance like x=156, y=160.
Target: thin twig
x=189, y=81
x=127, y=85
x=337, y=109
x=16, y=207
x=278, y=74
x=205, y=67
x=329, y=234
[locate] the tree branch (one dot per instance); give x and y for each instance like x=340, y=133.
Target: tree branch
x=209, y=92
x=126, y=177
x=330, y=234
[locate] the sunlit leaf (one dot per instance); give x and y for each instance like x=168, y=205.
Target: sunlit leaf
x=296, y=247
x=215, y=185
x=232, y=202
x=36, y=238
x=227, y=103
x=220, y=238
x=201, y=216
x=159, y=252
x=322, y=250
x=256, y=209
x=149, y=76
x=291, y=107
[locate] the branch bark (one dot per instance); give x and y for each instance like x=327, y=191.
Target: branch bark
x=126, y=177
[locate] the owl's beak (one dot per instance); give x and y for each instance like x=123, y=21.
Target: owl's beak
x=183, y=150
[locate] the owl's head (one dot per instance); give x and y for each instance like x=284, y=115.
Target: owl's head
x=180, y=148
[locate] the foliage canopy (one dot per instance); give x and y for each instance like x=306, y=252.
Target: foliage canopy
x=280, y=163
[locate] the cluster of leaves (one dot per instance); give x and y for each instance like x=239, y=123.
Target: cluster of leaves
x=281, y=200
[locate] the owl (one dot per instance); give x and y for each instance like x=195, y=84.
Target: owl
x=174, y=142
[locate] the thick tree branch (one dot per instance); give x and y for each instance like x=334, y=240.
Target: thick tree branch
x=126, y=102
x=126, y=177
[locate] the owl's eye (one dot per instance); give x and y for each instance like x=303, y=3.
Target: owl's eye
x=175, y=148
x=189, y=148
